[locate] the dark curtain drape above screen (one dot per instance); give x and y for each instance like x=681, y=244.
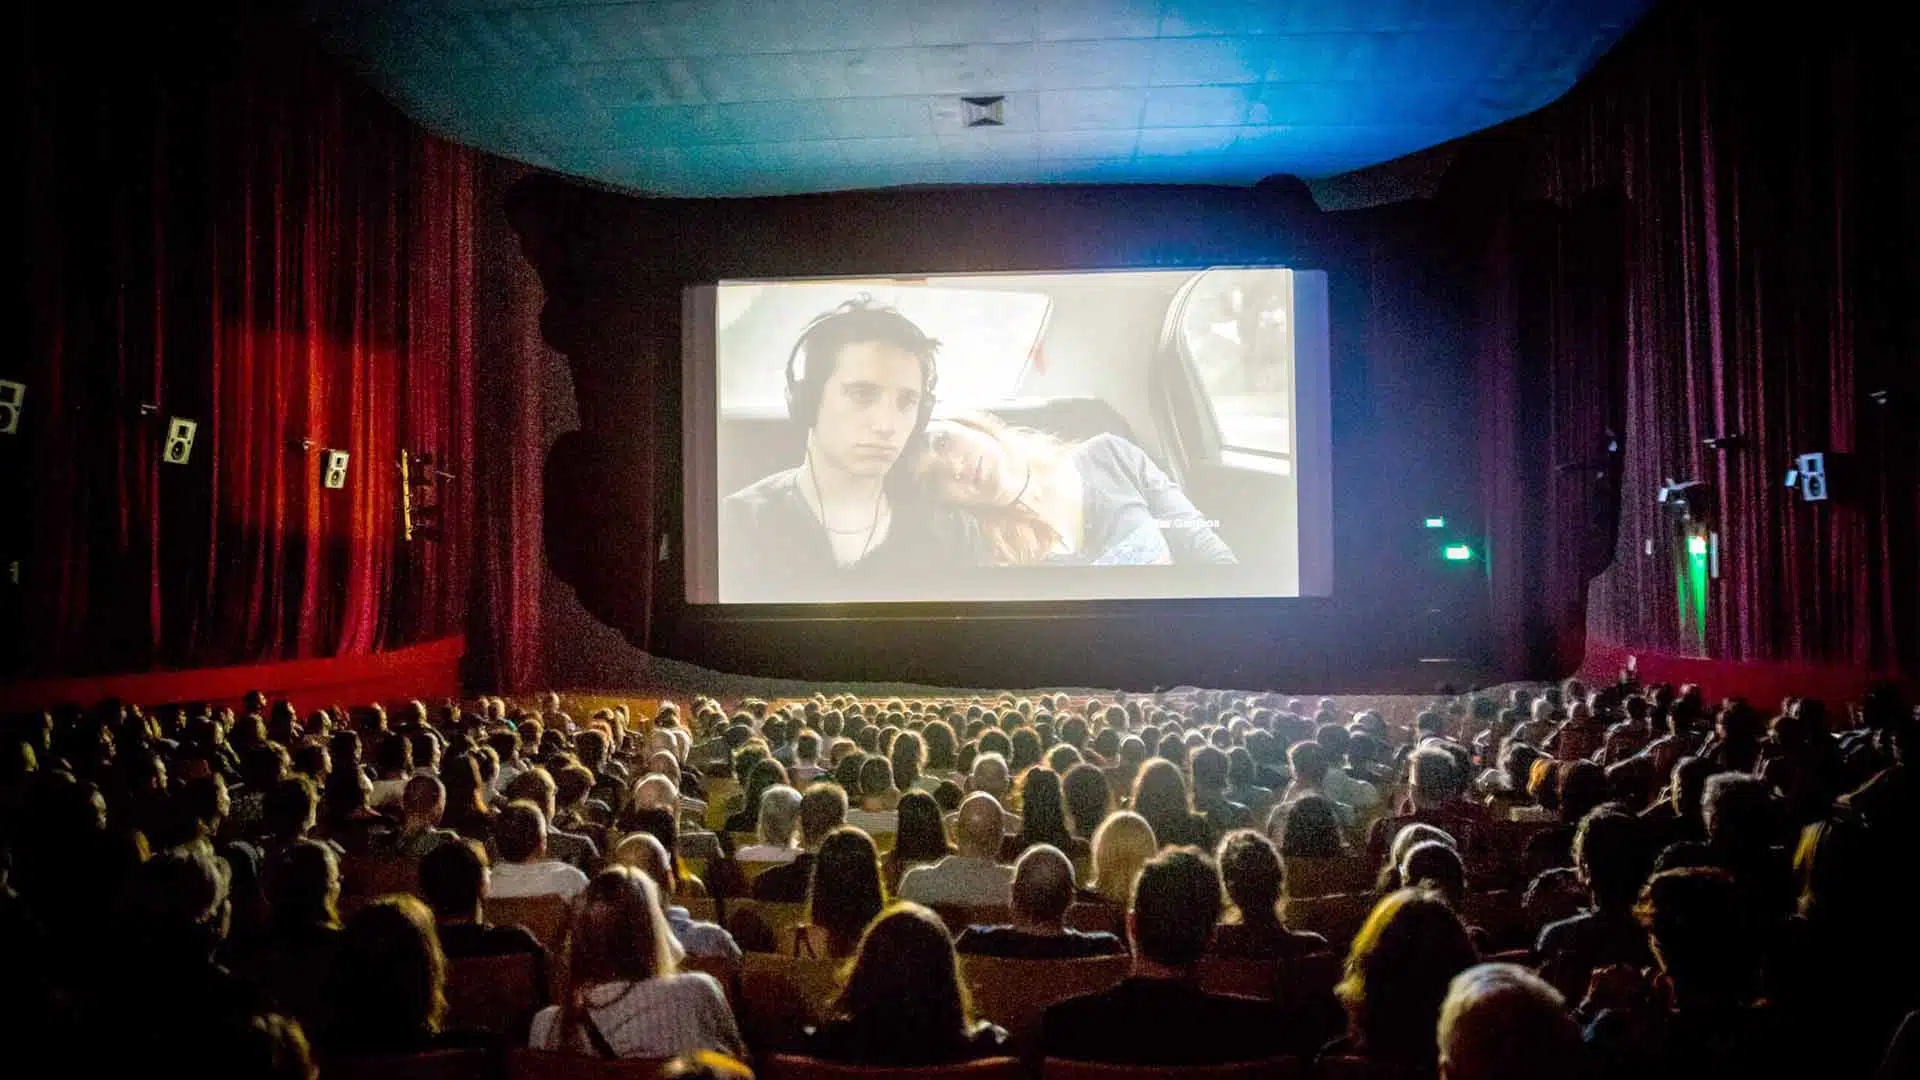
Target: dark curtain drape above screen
x=1771, y=231
x=224, y=227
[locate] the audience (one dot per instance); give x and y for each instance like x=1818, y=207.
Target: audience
x=1158, y=1015
x=173, y=876
x=903, y=1004
x=1042, y=891
x=622, y=997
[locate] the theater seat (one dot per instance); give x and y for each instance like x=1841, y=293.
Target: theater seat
x=780, y=996
x=368, y=877
x=497, y=994
x=1015, y=993
x=545, y=917
x=1359, y=1068
x=547, y=1065
x=788, y=1067
x=1284, y=1068
x=474, y=1064
x=763, y=927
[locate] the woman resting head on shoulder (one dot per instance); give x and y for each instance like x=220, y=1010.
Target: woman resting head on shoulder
x=903, y=1003
x=1043, y=500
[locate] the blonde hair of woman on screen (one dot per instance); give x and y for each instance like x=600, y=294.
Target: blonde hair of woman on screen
x=1042, y=500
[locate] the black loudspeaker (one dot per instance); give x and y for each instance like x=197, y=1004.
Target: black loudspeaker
x=11, y=396
x=334, y=469
x=179, y=448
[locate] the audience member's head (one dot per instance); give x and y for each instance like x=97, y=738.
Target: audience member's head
x=779, y=815
x=903, y=989
x=845, y=891
x=921, y=831
x=1610, y=855
x=618, y=934
x=1042, y=809
x=521, y=832
x=1738, y=810
x=1042, y=887
x=981, y=826
x=1252, y=874
x=1121, y=846
x=1503, y=1022
x=1436, y=867
x=389, y=978
x=1176, y=902
x=1696, y=929
x=303, y=887
x=453, y=880
x=1160, y=796
x=1309, y=828
x=822, y=809
x=424, y=800
x=1397, y=974
x=1089, y=799
x=1432, y=777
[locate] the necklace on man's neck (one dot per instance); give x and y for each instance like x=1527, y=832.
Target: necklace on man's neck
x=873, y=527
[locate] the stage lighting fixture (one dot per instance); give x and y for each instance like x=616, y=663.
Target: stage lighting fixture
x=1696, y=545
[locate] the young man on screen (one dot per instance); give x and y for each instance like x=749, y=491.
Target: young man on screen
x=845, y=523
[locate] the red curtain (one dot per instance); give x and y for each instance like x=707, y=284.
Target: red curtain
x=1768, y=240
x=505, y=634
x=227, y=228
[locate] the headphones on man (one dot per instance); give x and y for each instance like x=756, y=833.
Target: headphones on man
x=807, y=382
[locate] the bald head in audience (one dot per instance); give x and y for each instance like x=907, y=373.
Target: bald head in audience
x=1042, y=890
x=1503, y=1022
x=980, y=828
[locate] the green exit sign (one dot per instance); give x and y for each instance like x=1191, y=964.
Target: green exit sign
x=1458, y=552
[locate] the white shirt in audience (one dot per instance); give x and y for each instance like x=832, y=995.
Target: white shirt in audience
x=874, y=822
x=387, y=791
x=802, y=775
x=548, y=877
x=767, y=853
x=959, y=880
x=656, y=1018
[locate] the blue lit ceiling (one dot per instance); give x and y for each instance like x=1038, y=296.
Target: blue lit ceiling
x=749, y=97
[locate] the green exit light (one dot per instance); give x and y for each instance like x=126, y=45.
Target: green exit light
x=1458, y=552
x=1436, y=523
x=1696, y=545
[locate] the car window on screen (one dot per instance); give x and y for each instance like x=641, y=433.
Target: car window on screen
x=987, y=336
x=1236, y=327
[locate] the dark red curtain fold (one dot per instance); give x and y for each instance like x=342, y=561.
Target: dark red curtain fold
x=1769, y=234
x=225, y=227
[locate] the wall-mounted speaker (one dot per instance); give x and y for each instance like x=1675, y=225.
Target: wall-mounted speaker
x=11, y=396
x=1812, y=470
x=334, y=469
x=179, y=447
